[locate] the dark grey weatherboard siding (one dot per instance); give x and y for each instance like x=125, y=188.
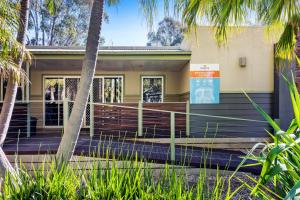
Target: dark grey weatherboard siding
x=232, y=105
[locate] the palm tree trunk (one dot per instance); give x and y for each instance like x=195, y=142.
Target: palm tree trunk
x=12, y=86
x=70, y=136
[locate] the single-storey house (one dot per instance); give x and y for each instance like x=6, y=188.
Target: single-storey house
x=159, y=78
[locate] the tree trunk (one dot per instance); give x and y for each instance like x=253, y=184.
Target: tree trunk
x=36, y=25
x=12, y=86
x=70, y=136
x=52, y=31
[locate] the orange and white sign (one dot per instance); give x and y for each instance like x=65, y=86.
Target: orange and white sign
x=204, y=71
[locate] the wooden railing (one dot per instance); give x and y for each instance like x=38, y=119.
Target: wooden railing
x=125, y=117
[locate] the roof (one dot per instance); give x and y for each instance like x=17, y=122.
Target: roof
x=112, y=53
x=106, y=49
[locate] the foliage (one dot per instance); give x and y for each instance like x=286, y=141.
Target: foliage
x=110, y=179
x=59, y=23
x=10, y=47
x=280, y=160
x=279, y=15
x=281, y=18
x=169, y=33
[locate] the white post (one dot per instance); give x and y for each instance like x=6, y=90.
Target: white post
x=187, y=119
x=66, y=113
x=172, y=130
x=140, y=119
x=28, y=119
x=27, y=100
x=91, y=113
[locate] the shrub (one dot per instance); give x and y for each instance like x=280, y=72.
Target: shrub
x=280, y=160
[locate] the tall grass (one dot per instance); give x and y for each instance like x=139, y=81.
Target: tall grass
x=111, y=179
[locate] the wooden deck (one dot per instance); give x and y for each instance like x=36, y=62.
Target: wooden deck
x=127, y=148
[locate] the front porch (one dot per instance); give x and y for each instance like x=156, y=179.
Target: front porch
x=156, y=132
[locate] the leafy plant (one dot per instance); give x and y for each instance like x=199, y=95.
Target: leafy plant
x=280, y=160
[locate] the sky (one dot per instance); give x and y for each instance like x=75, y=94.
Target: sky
x=127, y=26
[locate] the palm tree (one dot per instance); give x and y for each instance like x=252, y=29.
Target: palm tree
x=283, y=16
x=70, y=137
x=13, y=75
x=280, y=15
x=13, y=70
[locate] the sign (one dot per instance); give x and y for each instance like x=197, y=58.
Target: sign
x=204, y=84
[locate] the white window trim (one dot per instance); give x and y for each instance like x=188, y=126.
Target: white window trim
x=162, y=85
x=75, y=76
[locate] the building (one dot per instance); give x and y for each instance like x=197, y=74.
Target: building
x=160, y=78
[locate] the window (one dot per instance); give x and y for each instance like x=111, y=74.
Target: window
x=152, y=89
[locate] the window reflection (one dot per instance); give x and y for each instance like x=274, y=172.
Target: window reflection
x=152, y=89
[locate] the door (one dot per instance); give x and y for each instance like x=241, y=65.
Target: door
x=71, y=89
x=108, y=89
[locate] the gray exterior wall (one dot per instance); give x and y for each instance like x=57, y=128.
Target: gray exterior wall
x=232, y=105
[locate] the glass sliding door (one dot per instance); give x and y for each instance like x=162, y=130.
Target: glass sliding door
x=108, y=89
x=113, y=89
x=71, y=89
x=53, y=96
x=98, y=90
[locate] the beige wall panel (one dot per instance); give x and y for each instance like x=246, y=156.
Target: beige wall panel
x=185, y=79
x=249, y=42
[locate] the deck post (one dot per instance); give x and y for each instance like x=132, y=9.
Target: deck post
x=66, y=112
x=187, y=118
x=172, y=129
x=91, y=113
x=140, y=119
x=27, y=100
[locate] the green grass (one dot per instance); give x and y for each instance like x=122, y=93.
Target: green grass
x=111, y=179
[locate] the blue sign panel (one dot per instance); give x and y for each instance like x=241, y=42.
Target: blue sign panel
x=204, y=90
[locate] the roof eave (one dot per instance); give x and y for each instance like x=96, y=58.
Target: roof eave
x=135, y=55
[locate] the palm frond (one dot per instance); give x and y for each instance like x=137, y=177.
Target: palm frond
x=10, y=48
x=286, y=43
x=112, y=2
x=149, y=9
x=277, y=10
x=228, y=13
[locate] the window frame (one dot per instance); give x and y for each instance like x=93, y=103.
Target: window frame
x=162, y=86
